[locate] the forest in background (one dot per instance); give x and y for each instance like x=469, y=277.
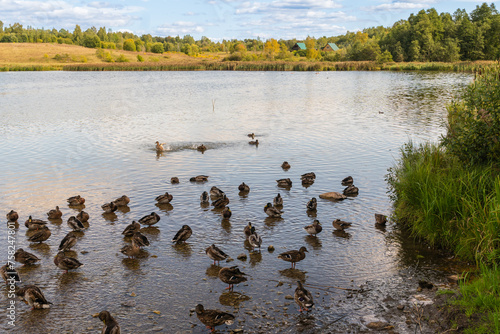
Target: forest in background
x=424, y=37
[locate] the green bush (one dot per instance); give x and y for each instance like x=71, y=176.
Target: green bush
x=140, y=58
x=157, y=48
x=121, y=59
x=129, y=45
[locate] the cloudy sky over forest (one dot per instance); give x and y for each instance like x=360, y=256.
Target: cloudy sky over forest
x=222, y=19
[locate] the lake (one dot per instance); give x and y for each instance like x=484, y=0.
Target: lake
x=93, y=134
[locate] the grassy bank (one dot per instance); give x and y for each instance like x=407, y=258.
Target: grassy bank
x=448, y=195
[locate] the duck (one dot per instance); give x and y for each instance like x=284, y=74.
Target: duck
x=174, y=180
x=131, y=229
x=255, y=239
x=221, y=202
x=312, y=204
x=54, y=213
x=122, y=201
x=33, y=296
x=12, y=216
x=351, y=190
x=140, y=239
x=248, y=230
x=293, y=256
x=308, y=178
x=66, y=263
x=76, y=200
x=34, y=224
x=284, y=183
x=226, y=213
x=199, y=178
x=24, y=257
x=131, y=250
x=183, y=234
x=110, y=324
x=215, y=253
x=159, y=146
x=41, y=235
x=204, y=198
x=244, y=187
x=285, y=165
x=254, y=142
x=67, y=242
x=271, y=211
x=150, y=219
x=231, y=276
x=314, y=228
x=83, y=216
x=216, y=192
x=213, y=318
x=165, y=198
x=303, y=297
x=109, y=207
x=278, y=200
x=251, y=135
x=75, y=224
x=201, y=148
x=9, y=274
x=341, y=225
x=380, y=220
x=347, y=181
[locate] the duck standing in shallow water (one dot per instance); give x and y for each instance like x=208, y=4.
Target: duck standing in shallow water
x=314, y=228
x=221, y=202
x=109, y=207
x=216, y=192
x=286, y=183
x=9, y=274
x=183, y=234
x=76, y=200
x=204, y=198
x=75, y=224
x=254, y=142
x=232, y=276
x=212, y=318
x=271, y=211
x=41, y=235
x=24, y=257
x=248, y=230
x=66, y=263
x=150, y=219
x=131, y=250
x=54, y=213
x=67, y=242
x=131, y=229
x=12, y=216
x=83, y=216
x=215, y=253
x=278, y=200
x=312, y=204
x=293, y=256
x=34, y=224
x=110, y=324
x=303, y=297
x=244, y=187
x=33, y=296
x=341, y=225
x=255, y=239
x=285, y=165
x=122, y=201
x=226, y=213
x=165, y=198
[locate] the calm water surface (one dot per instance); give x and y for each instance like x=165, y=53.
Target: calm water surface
x=93, y=134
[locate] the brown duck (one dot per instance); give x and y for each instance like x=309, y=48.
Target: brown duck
x=110, y=324
x=122, y=201
x=76, y=200
x=12, y=216
x=131, y=229
x=150, y=219
x=183, y=234
x=54, y=213
x=212, y=318
x=40, y=236
x=34, y=224
x=165, y=198
x=231, y=276
x=66, y=263
x=340, y=224
x=67, y=242
x=215, y=253
x=83, y=216
x=293, y=256
x=24, y=257
x=303, y=297
x=33, y=296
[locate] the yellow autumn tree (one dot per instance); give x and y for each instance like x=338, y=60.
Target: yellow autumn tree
x=271, y=47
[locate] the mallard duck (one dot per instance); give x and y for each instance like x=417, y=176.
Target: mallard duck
x=212, y=318
x=12, y=216
x=201, y=148
x=75, y=224
x=54, y=213
x=314, y=228
x=251, y=135
x=131, y=250
x=164, y=199
x=66, y=263
x=248, y=230
x=76, y=200
x=131, y=229
x=215, y=253
x=351, y=190
x=150, y=219
x=67, y=242
x=312, y=204
x=341, y=225
x=216, y=192
x=226, y=213
x=41, y=235
x=347, y=181
x=293, y=256
x=159, y=146
x=183, y=234
x=303, y=297
x=271, y=211
x=83, y=216
x=284, y=183
x=254, y=239
x=24, y=257
x=380, y=219
x=140, y=239
x=204, y=198
x=109, y=207
x=254, y=142
x=231, y=276
x=221, y=202
x=199, y=178
x=9, y=274
x=308, y=178
x=33, y=296
x=278, y=200
x=244, y=187
x=285, y=165
x=174, y=180
x=34, y=224
x=110, y=324
x=122, y=201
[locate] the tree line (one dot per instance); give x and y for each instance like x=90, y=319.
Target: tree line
x=425, y=36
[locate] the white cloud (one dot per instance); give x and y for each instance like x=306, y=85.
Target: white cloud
x=401, y=5
x=263, y=7
x=179, y=28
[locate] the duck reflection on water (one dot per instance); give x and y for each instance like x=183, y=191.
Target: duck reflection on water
x=232, y=298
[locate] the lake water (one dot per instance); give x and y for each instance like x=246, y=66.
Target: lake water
x=93, y=134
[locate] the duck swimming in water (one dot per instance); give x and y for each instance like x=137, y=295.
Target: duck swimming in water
x=159, y=147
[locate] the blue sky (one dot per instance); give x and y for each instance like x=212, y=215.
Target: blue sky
x=222, y=19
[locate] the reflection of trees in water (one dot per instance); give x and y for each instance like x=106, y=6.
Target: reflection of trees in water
x=232, y=298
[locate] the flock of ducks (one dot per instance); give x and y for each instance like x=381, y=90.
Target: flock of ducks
x=39, y=231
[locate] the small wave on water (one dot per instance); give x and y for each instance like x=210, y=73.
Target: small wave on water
x=184, y=146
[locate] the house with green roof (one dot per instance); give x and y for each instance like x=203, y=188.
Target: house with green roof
x=330, y=47
x=299, y=46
